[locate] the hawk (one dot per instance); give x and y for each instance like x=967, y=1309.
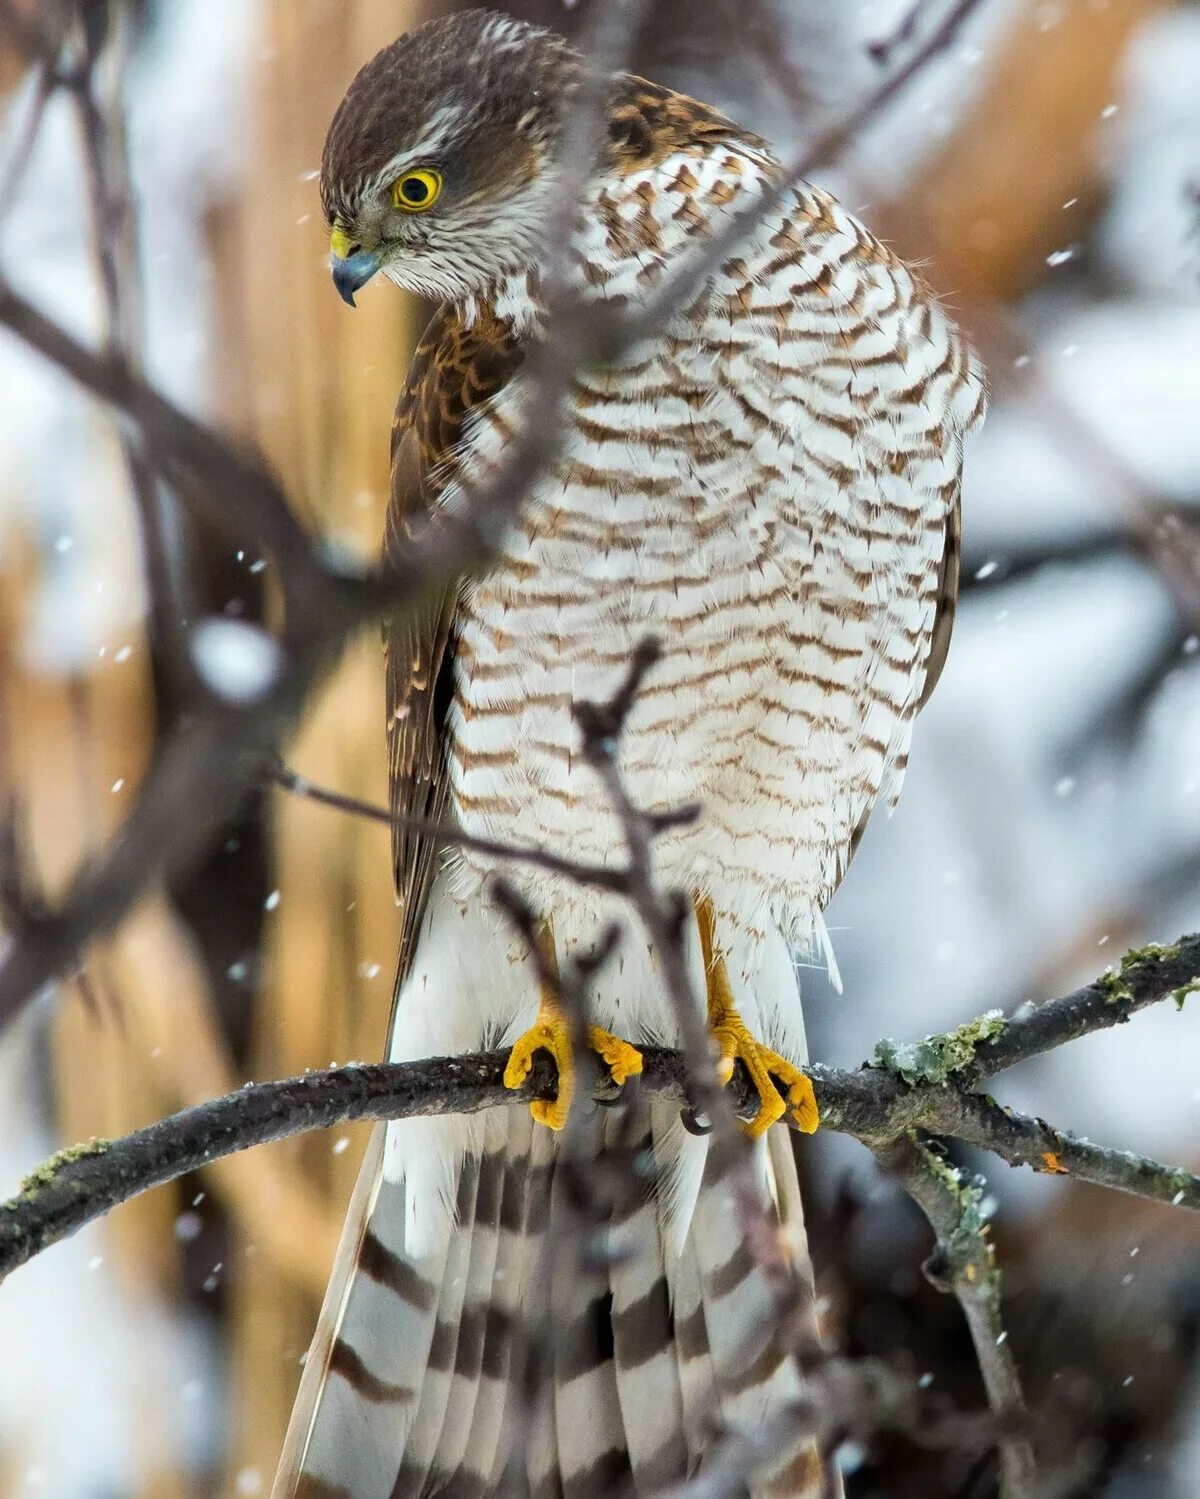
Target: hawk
x=770, y=485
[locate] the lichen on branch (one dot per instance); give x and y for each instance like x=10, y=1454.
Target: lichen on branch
x=937, y=1058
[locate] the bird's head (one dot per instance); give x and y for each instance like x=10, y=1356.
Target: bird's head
x=438, y=161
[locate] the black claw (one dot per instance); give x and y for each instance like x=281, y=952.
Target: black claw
x=614, y=1094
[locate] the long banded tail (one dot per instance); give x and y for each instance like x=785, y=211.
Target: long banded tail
x=653, y=1351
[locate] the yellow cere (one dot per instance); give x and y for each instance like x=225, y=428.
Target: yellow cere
x=339, y=243
x=417, y=190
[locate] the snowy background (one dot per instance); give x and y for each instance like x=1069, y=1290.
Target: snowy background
x=1050, y=817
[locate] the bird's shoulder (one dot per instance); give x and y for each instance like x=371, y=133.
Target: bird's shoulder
x=648, y=124
x=459, y=364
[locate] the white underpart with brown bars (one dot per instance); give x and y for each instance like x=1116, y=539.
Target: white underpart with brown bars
x=765, y=486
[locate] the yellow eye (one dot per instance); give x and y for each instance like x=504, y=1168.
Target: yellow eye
x=417, y=190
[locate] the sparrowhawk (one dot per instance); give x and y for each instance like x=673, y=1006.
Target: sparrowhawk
x=769, y=484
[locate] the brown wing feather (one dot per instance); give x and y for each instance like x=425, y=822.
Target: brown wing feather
x=947, y=601
x=939, y=645
x=454, y=370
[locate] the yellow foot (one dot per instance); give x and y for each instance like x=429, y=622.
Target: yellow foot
x=734, y=1041
x=550, y=1032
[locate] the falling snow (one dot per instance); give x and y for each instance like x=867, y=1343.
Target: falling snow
x=237, y=661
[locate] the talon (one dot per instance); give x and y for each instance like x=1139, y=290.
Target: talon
x=550, y=1032
x=734, y=1042
x=622, y=1060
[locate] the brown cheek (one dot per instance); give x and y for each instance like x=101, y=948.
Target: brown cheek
x=512, y=163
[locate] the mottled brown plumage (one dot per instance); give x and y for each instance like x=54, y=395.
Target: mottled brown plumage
x=455, y=370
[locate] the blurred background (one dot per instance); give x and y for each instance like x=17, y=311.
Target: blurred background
x=1045, y=170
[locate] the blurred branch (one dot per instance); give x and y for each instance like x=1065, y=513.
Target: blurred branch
x=1125, y=703
x=998, y=566
x=96, y=86
x=872, y=1103
x=22, y=133
x=1144, y=976
x=202, y=773
x=209, y=764
x=826, y=148
x=1008, y=177
x=597, y=876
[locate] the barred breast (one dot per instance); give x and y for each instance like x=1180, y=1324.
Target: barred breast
x=766, y=486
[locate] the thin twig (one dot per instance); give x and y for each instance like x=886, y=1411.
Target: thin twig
x=18, y=150
x=1143, y=977
x=97, y=94
x=965, y=1264
x=873, y=1104
x=203, y=771
x=1024, y=1141
x=664, y=916
x=677, y=288
x=596, y=876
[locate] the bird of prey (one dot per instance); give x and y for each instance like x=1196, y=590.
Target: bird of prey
x=769, y=484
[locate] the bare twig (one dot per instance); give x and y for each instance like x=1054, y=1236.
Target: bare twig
x=1144, y=977
x=204, y=770
x=39, y=87
x=97, y=93
x=597, y=876
x=1023, y=1141
x=880, y=1103
x=675, y=291
x=874, y=1104
x=664, y=917
x=965, y=1264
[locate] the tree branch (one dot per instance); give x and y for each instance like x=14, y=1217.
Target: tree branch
x=1022, y=1141
x=1144, y=977
x=873, y=1104
x=964, y=1264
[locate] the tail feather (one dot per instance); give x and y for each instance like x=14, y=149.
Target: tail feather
x=693, y=1357
x=483, y=1409
x=589, y=1429
x=658, y=1339
x=378, y=1300
x=453, y=1312
x=647, y=1371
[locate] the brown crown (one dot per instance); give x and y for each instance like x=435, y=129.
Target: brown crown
x=453, y=62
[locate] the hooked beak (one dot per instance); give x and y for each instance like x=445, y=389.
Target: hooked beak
x=352, y=266
x=351, y=272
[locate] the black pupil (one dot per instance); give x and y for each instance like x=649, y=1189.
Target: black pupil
x=414, y=190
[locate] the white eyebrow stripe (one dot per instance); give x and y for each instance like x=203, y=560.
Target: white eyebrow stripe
x=443, y=126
